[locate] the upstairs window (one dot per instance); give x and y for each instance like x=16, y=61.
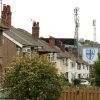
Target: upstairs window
x=72, y=64
x=83, y=66
x=65, y=61
x=78, y=66
x=87, y=67
x=51, y=56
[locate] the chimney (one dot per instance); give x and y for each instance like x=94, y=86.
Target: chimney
x=51, y=41
x=70, y=50
x=6, y=15
x=35, y=30
x=62, y=46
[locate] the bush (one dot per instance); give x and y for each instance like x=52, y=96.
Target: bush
x=34, y=78
x=96, y=67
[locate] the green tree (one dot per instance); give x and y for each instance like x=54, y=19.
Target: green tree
x=96, y=69
x=34, y=78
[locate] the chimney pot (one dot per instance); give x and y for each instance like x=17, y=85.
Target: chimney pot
x=34, y=23
x=6, y=15
x=8, y=8
x=4, y=8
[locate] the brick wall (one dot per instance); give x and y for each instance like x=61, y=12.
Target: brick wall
x=8, y=51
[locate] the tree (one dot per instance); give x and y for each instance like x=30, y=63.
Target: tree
x=34, y=78
x=96, y=67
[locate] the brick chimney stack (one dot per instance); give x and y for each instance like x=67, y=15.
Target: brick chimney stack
x=62, y=46
x=51, y=42
x=6, y=15
x=35, y=30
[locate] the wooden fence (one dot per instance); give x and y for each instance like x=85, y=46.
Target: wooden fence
x=81, y=94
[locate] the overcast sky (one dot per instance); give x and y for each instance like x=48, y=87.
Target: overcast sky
x=56, y=17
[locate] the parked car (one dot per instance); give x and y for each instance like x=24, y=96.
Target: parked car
x=84, y=82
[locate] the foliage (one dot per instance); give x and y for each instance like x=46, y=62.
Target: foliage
x=97, y=71
x=64, y=81
x=34, y=78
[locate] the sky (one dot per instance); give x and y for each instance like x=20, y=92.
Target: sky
x=56, y=17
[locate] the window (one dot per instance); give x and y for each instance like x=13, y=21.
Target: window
x=48, y=56
x=79, y=75
x=27, y=51
x=78, y=66
x=87, y=75
x=65, y=61
x=83, y=66
x=72, y=64
x=51, y=56
x=87, y=67
x=66, y=75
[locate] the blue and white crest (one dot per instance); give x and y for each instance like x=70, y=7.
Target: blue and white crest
x=90, y=53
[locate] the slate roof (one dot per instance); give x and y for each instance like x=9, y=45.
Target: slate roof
x=21, y=37
x=25, y=38
x=66, y=41
x=46, y=47
x=65, y=54
x=61, y=54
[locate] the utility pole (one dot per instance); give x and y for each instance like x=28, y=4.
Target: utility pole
x=76, y=36
x=94, y=29
x=1, y=6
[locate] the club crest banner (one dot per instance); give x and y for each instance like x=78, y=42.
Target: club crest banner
x=90, y=55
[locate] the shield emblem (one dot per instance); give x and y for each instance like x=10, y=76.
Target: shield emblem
x=90, y=53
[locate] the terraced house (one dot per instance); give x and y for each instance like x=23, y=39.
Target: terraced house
x=68, y=63
x=17, y=41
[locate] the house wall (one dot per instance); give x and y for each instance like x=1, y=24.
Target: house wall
x=62, y=68
x=72, y=71
x=8, y=51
